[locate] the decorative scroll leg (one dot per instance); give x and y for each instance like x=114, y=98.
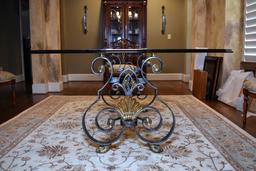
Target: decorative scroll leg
x=102, y=149
x=155, y=148
x=103, y=127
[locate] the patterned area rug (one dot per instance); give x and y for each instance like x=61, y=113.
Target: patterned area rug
x=49, y=136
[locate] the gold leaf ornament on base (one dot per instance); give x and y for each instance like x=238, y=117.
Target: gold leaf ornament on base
x=128, y=107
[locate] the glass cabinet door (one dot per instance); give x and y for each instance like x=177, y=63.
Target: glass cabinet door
x=133, y=26
x=125, y=20
x=116, y=23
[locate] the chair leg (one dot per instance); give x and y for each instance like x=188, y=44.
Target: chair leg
x=13, y=92
x=245, y=108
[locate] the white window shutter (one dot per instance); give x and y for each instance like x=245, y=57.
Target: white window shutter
x=250, y=31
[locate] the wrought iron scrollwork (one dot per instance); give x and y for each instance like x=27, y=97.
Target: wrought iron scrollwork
x=105, y=120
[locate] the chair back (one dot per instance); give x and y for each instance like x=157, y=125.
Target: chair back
x=249, y=66
x=124, y=44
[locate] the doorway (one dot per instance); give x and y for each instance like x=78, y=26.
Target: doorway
x=26, y=43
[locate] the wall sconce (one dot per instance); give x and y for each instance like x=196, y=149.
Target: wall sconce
x=163, y=20
x=84, y=20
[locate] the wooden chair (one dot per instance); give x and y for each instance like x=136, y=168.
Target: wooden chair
x=123, y=44
x=247, y=95
x=127, y=60
x=247, y=91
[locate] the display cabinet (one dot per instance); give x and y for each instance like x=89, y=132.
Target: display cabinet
x=125, y=20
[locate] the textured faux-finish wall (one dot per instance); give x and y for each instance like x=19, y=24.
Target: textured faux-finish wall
x=10, y=56
x=219, y=24
x=234, y=39
x=45, y=34
x=74, y=38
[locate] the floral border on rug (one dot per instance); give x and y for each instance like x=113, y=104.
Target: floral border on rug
x=238, y=148
x=16, y=129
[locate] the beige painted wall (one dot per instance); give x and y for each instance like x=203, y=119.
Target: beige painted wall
x=175, y=11
x=73, y=37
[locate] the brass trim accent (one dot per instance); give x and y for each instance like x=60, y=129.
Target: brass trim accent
x=102, y=149
x=128, y=107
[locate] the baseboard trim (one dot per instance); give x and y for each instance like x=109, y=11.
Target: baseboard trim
x=45, y=88
x=39, y=88
x=55, y=86
x=58, y=86
x=190, y=85
x=185, y=77
x=65, y=78
x=151, y=77
x=19, y=78
x=82, y=77
x=164, y=76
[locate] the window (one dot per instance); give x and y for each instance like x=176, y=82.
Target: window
x=250, y=31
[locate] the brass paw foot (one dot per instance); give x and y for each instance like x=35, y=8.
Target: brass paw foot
x=155, y=148
x=102, y=149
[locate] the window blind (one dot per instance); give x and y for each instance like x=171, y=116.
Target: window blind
x=250, y=31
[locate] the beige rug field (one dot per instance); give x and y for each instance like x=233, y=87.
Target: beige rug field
x=49, y=136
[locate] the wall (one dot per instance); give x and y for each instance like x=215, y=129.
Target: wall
x=45, y=34
x=10, y=50
x=208, y=26
x=215, y=24
x=73, y=37
x=175, y=11
x=234, y=28
x=208, y=23
x=188, y=58
x=219, y=24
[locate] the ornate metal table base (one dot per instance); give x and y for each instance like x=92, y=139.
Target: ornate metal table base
x=106, y=120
